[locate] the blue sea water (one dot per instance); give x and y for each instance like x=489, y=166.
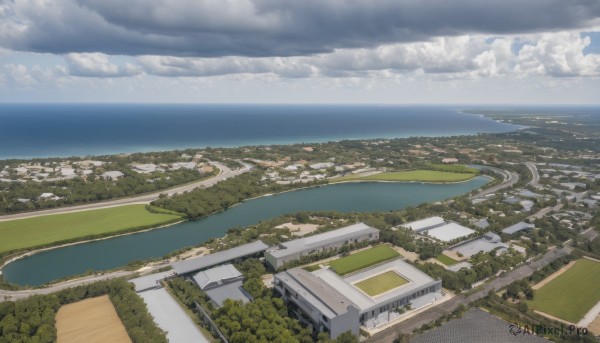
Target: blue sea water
x=59, y=130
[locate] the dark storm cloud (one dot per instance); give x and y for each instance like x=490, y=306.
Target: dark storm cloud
x=260, y=28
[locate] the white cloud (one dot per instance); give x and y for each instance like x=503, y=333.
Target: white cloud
x=98, y=65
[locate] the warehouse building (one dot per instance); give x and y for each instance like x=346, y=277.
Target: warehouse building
x=520, y=226
x=255, y=248
x=485, y=243
x=221, y=283
x=328, y=241
x=439, y=229
x=334, y=304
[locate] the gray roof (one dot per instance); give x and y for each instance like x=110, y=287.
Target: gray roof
x=520, y=226
x=307, y=243
x=475, y=326
x=482, y=224
x=216, y=275
x=485, y=243
x=170, y=317
x=149, y=281
x=220, y=257
x=233, y=291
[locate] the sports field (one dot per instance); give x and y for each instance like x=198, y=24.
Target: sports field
x=38, y=231
x=572, y=294
x=449, y=261
x=411, y=175
x=92, y=321
x=362, y=259
x=381, y=283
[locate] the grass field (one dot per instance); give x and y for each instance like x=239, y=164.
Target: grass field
x=572, y=294
x=363, y=259
x=92, y=321
x=381, y=283
x=449, y=261
x=312, y=268
x=39, y=231
x=411, y=175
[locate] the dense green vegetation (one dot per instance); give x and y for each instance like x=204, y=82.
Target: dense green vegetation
x=411, y=175
x=201, y=202
x=44, y=230
x=33, y=319
x=571, y=295
x=363, y=259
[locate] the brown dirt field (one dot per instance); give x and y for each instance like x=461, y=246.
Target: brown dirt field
x=553, y=276
x=92, y=321
x=595, y=326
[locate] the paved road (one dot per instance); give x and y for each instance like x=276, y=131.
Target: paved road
x=224, y=173
x=535, y=176
x=510, y=178
x=430, y=315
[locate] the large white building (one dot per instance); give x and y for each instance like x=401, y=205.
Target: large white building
x=439, y=229
x=331, y=240
x=335, y=304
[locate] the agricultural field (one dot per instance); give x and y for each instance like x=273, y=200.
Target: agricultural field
x=381, y=283
x=572, y=294
x=363, y=259
x=39, y=231
x=91, y=320
x=446, y=260
x=411, y=175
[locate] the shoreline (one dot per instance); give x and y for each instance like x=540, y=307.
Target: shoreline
x=36, y=251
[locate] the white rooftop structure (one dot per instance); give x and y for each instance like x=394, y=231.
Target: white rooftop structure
x=112, y=175
x=520, y=226
x=219, y=257
x=448, y=232
x=485, y=243
x=217, y=276
x=150, y=281
x=302, y=244
x=323, y=165
x=419, y=225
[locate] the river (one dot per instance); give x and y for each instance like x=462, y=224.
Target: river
x=114, y=252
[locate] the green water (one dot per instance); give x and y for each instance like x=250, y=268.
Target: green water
x=110, y=253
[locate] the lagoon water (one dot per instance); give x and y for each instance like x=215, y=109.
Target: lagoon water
x=53, y=264
x=48, y=130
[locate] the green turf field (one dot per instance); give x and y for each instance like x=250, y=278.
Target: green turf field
x=363, y=259
x=572, y=294
x=312, y=268
x=381, y=283
x=38, y=231
x=411, y=175
x=449, y=261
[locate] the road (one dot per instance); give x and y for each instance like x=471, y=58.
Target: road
x=535, y=176
x=224, y=173
x=430, y=315
x=510, y=178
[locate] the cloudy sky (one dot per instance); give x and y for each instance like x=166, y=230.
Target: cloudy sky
x=300, y=51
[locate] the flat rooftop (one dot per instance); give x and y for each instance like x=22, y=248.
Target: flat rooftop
x=482, y=243
x=449, y=232
x=219, y=257
x=233, y=291
x=303, y=244
x=520, y=226
x=149, y=281
x=418, y=225
x=416, y=279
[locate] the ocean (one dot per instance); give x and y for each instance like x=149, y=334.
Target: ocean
x=62, y=130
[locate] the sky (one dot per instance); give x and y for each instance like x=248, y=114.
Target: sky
x=301, y=51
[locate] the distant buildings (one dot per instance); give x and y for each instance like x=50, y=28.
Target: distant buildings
x=449, y=160
x=486, y=243
x=331, y=240
x=520, y=226
x=112, y=175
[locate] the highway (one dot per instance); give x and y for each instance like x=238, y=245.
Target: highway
x=535, y=176
x=510, y=178
x=224, y=173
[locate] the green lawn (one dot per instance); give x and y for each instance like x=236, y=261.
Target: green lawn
x=449, y=261
x=312, y=268
x=38, y=231
x=572, y=294
x=363, y=259
x=411, y=175
x=381, y=283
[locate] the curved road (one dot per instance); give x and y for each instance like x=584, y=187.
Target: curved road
x=224, y=173
x=510, y=178
x=535, y=176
